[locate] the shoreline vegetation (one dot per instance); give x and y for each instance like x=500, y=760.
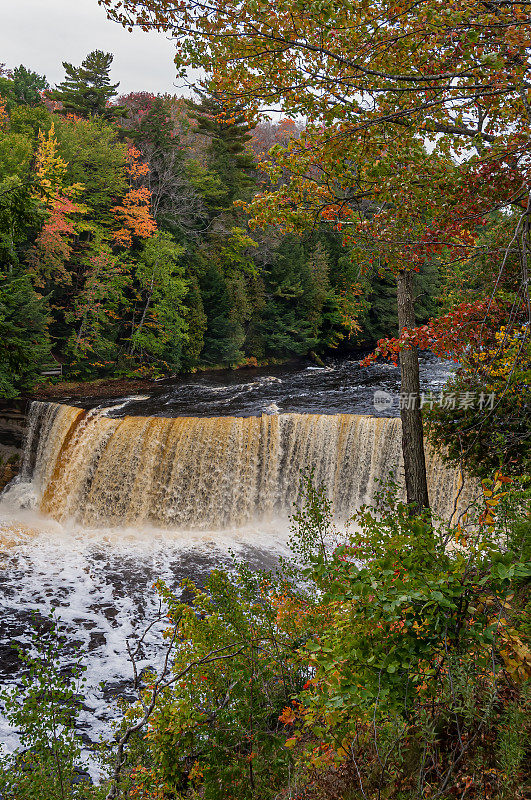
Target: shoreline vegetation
x=115, y=387
x=126, y=251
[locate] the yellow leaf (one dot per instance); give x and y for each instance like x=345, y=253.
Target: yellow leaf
x=291, y=742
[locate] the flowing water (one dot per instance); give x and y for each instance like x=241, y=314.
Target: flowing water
x=115, y=495
x=340, y=387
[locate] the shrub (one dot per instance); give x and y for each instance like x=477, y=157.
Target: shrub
x=397, y=663
x=43, y=709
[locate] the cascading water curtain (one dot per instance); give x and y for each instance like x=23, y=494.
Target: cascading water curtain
x=210, y=473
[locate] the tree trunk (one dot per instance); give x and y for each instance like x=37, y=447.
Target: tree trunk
x=410, y=411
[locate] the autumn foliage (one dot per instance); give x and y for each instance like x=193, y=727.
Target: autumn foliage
x=462, y=335
x=311, y=689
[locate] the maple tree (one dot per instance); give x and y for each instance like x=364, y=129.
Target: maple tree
x=98, y=189
x=291, y=288
x=53, y=245
x=134, y=213
x=97, y=159
x=461, y=334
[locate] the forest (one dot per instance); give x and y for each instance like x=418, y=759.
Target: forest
x=384, y=205
x=127, y=249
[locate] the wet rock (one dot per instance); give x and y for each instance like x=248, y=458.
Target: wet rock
x=109, y=611
x=8, y=471
x=80, y=776
x=24, y=762
x=119, y=690
x=97, y=639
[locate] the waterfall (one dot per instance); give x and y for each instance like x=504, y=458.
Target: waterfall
x=193, y=472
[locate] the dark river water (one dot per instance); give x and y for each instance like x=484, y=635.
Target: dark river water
x=341, y=387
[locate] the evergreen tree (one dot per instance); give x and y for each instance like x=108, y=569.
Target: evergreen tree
x=224, y=336
x=21, y=86
x=197, y=323
x=228, y=155
x=156, y=126
x=28, y=86
x=381, y=316
x=87, y=90
x=24, y=342
x=318, y=284
x=255, y=346
x=286, y=327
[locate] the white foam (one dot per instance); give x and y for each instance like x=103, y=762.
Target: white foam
x=272, y=408
x=101, y=584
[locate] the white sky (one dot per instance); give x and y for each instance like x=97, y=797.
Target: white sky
x=41, y=34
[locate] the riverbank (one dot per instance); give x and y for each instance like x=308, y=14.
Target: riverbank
x=116, y=387
x=109, y=387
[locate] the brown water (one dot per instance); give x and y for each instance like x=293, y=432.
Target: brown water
x=207, y=473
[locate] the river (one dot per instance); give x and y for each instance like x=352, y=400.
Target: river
x=117, y=493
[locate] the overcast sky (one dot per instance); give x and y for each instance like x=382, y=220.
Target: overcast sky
x=41, y=34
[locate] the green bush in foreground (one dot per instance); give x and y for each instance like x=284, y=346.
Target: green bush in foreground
x=397, y=662
x=43, y=709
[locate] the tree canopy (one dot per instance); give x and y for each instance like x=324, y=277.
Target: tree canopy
x=417, y=128
x=87, y=90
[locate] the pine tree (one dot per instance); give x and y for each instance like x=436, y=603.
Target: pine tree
x=87, y=90
x=285, y=324
x=156, y=125
x=28, y=86
x=381, y=315
x=228, y=154
x=21, y=86
x=318, y=284
x=224, y=336
x=24, y=341
x=196, y=321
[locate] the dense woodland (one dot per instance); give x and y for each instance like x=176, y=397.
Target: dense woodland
x=143, y=235
x=125, y=250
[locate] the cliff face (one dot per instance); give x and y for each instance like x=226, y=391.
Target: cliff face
x=12, y=426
